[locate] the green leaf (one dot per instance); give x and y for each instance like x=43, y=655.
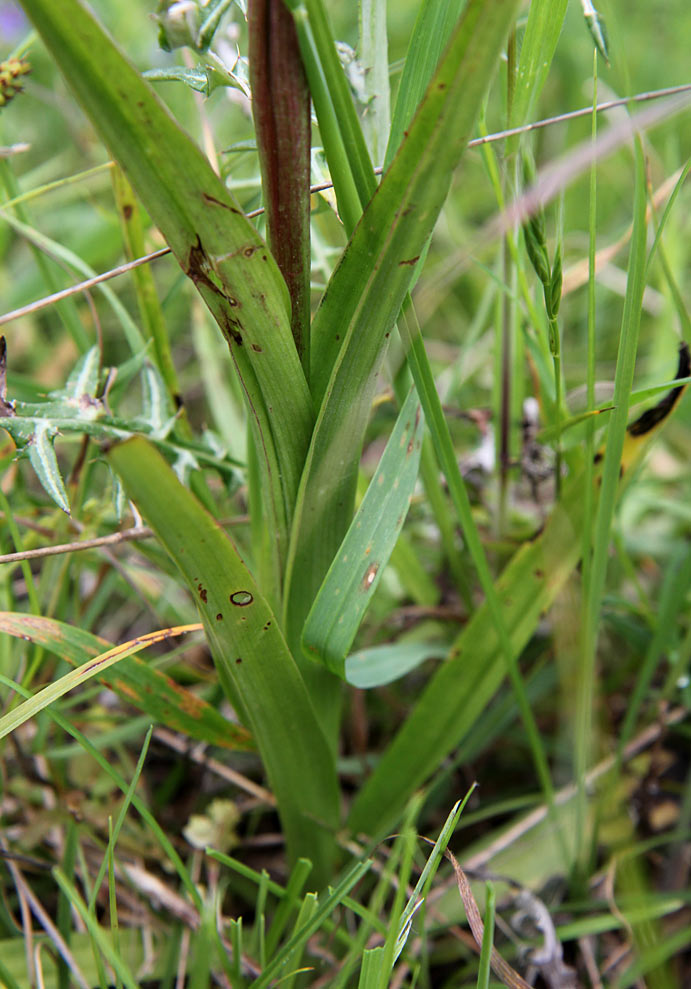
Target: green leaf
x=365, y=293
x=428, y=872
x=344, y=143
x=215, y=244
x=375, y=71
x=204, y=78
x=383, y=664
x=212, y=12
x=254, y=664
x=83, y=378
x=545, y=20
x=156, y=410
x=135, y=681
x=45, y=463
x=357, y=567
x=460, y=690
x=435, y=21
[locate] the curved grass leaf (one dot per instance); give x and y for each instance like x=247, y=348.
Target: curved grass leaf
x=356, y=570
x=91, y=668
x=462, y=687
x=254, y=664
x=135, y=681
x=216, y=246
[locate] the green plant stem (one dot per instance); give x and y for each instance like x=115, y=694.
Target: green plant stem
x=555, y=348
x=584, y=745
x=438, y=426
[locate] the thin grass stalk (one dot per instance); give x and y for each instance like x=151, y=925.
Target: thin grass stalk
x=584, y=742
x=443, y=445
x=588, y=493
x=150, y=311
x=484, y=969
x=67, y=310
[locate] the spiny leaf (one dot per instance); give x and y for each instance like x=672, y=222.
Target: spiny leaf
x=203, y=78
x=43, y=460
x=156, y=410
x=83, y=378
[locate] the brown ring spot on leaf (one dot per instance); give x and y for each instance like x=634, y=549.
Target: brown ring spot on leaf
x=370, y=574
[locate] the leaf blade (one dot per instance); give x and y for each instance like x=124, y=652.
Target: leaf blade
x=254, y=664
x=365, y=293
x=353, y=577
x=135, y=681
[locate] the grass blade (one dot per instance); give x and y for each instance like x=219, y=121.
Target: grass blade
x=616, y=436
x=545, y=20
x=254, y=664
x=460, y=690
x=364, y=296
x=433, y=26
x=216, y=246
x=16, y=717
x=135, y=681
x=375, y=68
x=356, y=570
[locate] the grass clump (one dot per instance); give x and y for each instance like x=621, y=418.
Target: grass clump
x=307, y=525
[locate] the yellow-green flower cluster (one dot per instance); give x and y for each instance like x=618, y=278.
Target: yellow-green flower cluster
x=11, y=72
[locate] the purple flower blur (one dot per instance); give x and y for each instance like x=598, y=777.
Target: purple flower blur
x=13, y=23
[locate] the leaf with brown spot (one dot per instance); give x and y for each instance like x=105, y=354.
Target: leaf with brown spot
x=146, y=688
x=349, y=585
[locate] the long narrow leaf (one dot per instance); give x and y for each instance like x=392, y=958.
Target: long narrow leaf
x=435, y=21
x=254, y=664
x=462, y=687
x=216, y=246
x=357, y=568
x=367, y=289
x=542, y=32
x=135, y=681
x=91, y=668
